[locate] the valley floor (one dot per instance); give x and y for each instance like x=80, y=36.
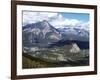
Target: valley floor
x=57, y=57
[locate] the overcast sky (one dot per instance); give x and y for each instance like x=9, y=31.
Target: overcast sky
x=58, y=20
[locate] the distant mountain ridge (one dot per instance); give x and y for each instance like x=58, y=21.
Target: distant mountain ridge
x=74, y=34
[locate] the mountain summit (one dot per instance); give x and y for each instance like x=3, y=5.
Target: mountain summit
x=40, y=33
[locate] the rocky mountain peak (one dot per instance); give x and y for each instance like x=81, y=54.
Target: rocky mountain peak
x=41, y=32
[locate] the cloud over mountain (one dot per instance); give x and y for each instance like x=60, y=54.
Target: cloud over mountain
x=56, y=19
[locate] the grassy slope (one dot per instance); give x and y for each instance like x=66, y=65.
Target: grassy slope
x=33, y=62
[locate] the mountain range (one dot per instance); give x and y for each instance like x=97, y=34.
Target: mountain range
x=75, y=33
x=43, y=34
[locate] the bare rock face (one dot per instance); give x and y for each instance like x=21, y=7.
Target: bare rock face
x=40, y=33
x=75, y=48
